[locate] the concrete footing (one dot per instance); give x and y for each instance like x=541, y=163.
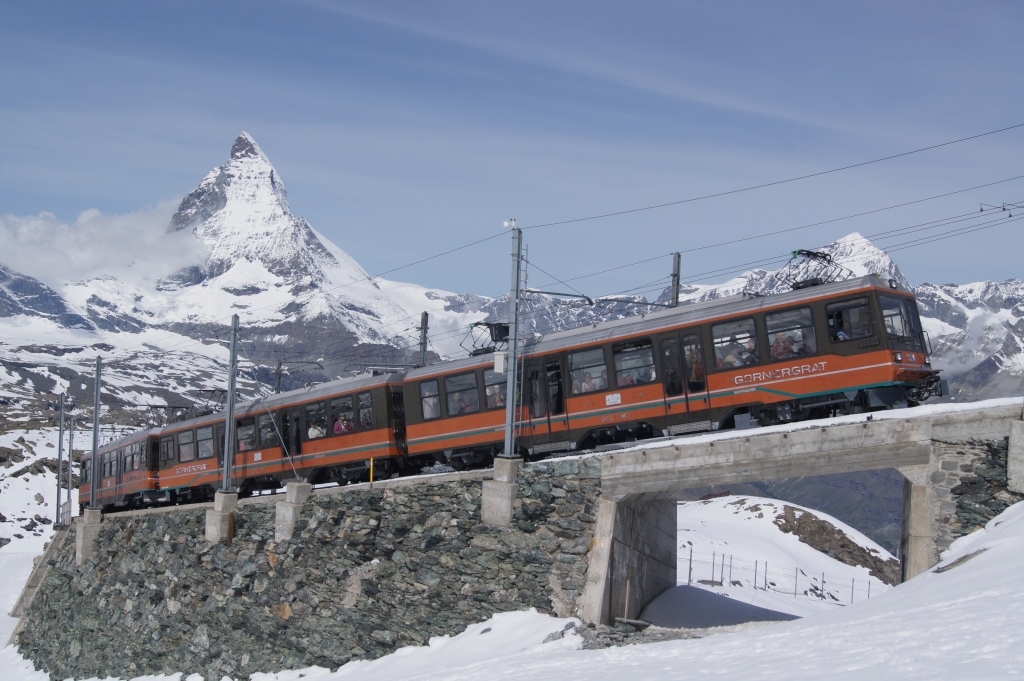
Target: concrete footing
x=499, y=494
x=1015, y=458
x=87, y=531
x=917, y=547
x=632, y=558
x=296, y=494
x=220, y=519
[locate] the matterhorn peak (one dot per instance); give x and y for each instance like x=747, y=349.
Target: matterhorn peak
x=240, y=211
x=245, y=147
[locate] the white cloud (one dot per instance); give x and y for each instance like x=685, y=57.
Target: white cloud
x=134, y=247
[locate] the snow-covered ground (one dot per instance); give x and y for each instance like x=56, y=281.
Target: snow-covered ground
x=734, y=541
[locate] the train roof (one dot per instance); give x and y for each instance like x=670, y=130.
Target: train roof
x=696, y=313
x=259, y=405
x=678, y=316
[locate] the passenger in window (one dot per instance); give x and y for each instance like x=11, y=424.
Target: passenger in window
x=430, y=407
x=749, y=353
x=840, y=333
x=589, y=384
x=315, y=431
x=343, y=425
x=778, y=351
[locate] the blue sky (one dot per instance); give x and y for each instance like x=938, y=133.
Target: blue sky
x=407, y=128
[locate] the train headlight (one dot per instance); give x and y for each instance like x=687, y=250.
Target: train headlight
x=928, y=360
x=899, y=356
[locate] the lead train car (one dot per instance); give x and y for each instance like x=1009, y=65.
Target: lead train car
x=327, y=433
x=746, y=360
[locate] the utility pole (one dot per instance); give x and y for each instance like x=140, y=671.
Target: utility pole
x=423, y=339
x=60, y=460
x=513, y=342
x=71, y=459
x=229, y=429
x=676, y=259
x=277, y=378
x=95, y=469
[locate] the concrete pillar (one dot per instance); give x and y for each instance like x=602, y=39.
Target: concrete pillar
x=1015, y=458
x=499, y=494
x=220, y=519
x=296, y=494
x=632, y=559
x=917, y=548
x=87, y=531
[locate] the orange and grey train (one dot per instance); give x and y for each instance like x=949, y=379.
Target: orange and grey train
x=742, y=361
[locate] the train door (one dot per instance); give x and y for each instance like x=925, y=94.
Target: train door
x=291, y=422
x=687, y=402
x=545, y=388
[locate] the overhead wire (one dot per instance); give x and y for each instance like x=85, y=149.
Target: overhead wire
x=774, y=183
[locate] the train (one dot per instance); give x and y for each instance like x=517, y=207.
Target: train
x=735, y=362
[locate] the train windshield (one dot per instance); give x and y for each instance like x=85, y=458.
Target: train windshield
x=902, y=323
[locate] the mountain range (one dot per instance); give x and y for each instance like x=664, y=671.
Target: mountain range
x=310, y=312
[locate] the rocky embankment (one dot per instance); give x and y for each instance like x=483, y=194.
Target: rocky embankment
x=367, y=571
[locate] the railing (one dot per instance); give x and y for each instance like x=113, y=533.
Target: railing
x=720, y=569
x=64, y=517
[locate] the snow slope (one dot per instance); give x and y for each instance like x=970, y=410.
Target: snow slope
x=735, y=540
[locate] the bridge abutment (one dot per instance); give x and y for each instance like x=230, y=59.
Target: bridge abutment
x=920, y=514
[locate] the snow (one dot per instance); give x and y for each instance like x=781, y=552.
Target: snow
x=736, y=537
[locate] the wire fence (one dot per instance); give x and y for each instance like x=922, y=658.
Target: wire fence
x=724, y=570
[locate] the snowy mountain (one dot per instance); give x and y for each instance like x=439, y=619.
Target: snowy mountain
x=295, y=292
x=299, y=296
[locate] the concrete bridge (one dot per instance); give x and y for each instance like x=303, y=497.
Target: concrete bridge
x=300, y=580
x=633, y=558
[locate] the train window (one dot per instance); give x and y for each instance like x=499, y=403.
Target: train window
x=365, y=411
x=535, y=388
x=186, y=446
x=693, y=352
x=245, y=434
x=343, y=414
x=495, y=387
x=463, y=394
x=204, y=442
x=126, y=460
x=634, y=363
x=135, y=456
x=849, y=320
x=588, y=371
x=268, y=431
x=791, y=334
x=735, y=344
x=166, y=449
x=901, y=322
x=556, y=395
x=316, y=420
x=430, y=402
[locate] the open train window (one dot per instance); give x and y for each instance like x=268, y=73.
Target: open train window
x=463, y=394
x=344, y=415
x=365, y=402
x=693, y=353
x=316, y=420
x=495, y=388
x=186, y=446
x=245, y=434
x=735, y=344
x=166, y=449
x=849, y=320
x=634, y=363
x=791, y=334
x=588, y=371
x=430, y=401
x=268, y=431
x=204, y=442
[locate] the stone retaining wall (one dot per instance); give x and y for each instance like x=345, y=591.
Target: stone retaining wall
x=367, y=571
x=970, y=486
